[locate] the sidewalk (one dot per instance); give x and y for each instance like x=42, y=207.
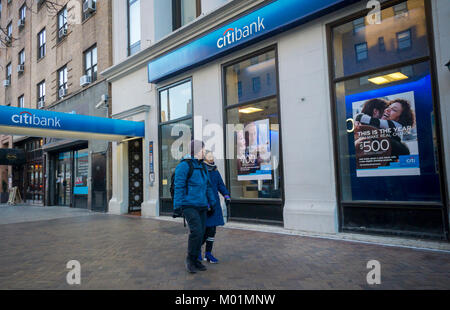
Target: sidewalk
x=126, y=252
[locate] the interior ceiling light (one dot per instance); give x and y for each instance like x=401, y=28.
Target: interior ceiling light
x=388, y=78
x=250, y=110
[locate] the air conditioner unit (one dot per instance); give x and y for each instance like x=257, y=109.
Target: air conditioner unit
x=85, y=80
x=21, y=23
x=62, y=32
x=6, y=83
x=89, y=6
x=20, y=68
x=62, y=92
x=41, y=104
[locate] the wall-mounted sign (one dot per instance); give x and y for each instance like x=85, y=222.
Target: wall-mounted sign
x=34, y=122
x=10, y=157
x=269, y=20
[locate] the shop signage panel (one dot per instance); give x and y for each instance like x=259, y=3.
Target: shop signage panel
x=58, y=124
x=269, y=20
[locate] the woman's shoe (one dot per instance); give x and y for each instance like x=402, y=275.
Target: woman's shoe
x=210, y=258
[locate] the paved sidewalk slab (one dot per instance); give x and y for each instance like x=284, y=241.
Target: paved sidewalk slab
x=122, y=252
x=27, y=213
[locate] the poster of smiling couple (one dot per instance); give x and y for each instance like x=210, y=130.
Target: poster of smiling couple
x=385, y=136
x=253, y=151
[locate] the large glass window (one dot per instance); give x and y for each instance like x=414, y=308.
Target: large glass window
x=387, y=143
x=175, y=124
x=134, y=26
x=253, y=147
x=396, y=34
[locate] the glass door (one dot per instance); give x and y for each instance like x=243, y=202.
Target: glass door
x=64, y=179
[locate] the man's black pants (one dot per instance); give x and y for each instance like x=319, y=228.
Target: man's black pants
x=196, y=219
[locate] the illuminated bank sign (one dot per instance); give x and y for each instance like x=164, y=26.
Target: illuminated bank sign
x=234, y=35
x=27, y=118
x=269, y=20
x=43, y=123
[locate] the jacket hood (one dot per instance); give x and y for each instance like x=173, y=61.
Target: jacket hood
x=211, y=167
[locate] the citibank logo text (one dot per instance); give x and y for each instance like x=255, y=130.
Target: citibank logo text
x=233, y=35
x=29, y=119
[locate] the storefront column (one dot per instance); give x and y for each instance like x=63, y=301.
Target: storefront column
x=119, y=201
x=150, y=206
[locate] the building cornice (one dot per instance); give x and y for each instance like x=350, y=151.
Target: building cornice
x=197, y=28
x=131, y=112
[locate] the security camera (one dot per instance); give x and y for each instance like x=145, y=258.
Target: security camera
x=103, y=103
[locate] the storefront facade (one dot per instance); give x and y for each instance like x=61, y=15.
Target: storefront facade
x=303, y=151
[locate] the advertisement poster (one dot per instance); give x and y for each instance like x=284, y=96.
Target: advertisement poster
x=385, y=133
x=253, y=151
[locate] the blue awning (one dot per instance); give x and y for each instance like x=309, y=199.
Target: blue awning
x=43, y=123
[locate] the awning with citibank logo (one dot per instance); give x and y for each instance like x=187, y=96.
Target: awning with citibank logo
x=43, y=123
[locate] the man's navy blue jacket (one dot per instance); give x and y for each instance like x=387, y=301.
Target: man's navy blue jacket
x=198, y=192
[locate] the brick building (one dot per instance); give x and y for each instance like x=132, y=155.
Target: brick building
x=51, y=56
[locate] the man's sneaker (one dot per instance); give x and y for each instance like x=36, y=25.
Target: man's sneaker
x=200, y=266
x=190, y=266
x=210, y=258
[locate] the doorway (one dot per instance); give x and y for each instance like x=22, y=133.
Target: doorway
x=135, y=176
x=64, y=179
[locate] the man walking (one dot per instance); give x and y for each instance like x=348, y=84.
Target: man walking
x=192, y=196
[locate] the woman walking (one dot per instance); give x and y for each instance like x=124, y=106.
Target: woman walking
x=215, y=215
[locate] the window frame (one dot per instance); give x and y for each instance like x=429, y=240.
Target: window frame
x=132, y=49
x=62, y=14
x=8, y=72
x=65, y=81
x=40, y=95
x=333, y=80
x=91, y=68
x=176, y=13
x=170, y=122
x=409, y=40
x=21, y=101
x=22, y=52
x=255, y=201
x=41, y=41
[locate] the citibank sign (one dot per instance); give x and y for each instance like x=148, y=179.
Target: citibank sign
x=27, y=118
x=233, y=35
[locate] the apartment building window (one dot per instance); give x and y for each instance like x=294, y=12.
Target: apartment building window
x=62, y=24
x=22, y=57
x=404, y=40
x=401, y=10
x=90, y=63
x=41, y=44
x=184, y=11
x=358, y=24
x=362, y=53
x=89, y=12
x=8, y=72
x=41, y=94
x=62, y=81
x=134, y=26
x=22, y=12
x=20, y=102
x=9, y=30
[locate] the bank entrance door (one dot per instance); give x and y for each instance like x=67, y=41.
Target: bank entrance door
x=64, y=179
